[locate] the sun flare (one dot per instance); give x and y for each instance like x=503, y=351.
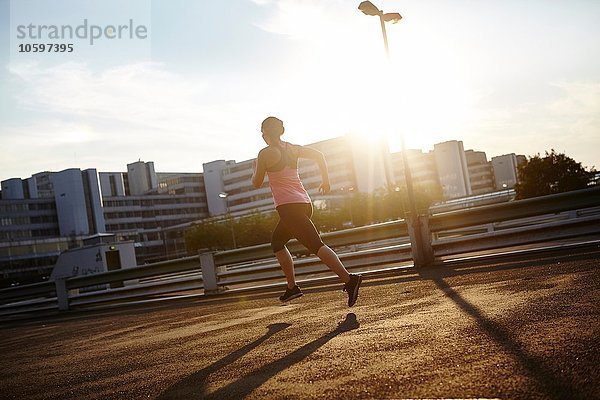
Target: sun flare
x=349, y=86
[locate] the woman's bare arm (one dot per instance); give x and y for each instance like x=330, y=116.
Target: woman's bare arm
x=316, y=155
x=267, y=157
x=260, y=169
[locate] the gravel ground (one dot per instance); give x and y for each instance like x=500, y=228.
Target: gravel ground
x=525, y=329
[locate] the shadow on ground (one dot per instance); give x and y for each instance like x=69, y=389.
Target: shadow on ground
x=553, y=385
x=194, y=385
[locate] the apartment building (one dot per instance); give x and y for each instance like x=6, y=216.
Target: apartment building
x=142, y=218
x=451, y=164
x=505, y=171
x=481, y=175
x=141, y=177
x=70, y=205
x=422, y=167
x=44, y=215
x=163, y=199
x=52, y=211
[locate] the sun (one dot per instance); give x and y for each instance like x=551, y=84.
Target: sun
x=343, y=83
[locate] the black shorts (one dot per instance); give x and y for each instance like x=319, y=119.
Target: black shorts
x=294, y=222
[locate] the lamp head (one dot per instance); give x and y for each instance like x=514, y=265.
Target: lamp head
x=394, y=18
x=369, y=8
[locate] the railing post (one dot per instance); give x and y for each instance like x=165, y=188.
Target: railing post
x=62, y=294
x=210, y=275
x=420, y=240
x=426, y=246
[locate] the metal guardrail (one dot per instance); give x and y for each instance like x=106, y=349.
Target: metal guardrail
x=34, y=289
x=163, y=267
x=516, y=209
x=215, y=275
x=312, y=265
x=346, y=237
x=517, y=236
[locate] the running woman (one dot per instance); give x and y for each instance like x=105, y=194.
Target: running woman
x=279, y=161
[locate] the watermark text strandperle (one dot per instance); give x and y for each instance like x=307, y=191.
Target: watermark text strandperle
x=83, y=31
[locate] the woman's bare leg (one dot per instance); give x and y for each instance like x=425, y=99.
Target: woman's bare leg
x=331, y=259
x=287, y=265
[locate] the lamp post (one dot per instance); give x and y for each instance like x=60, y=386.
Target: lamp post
x=370, y=9
x=420, y=255
x=224, y=195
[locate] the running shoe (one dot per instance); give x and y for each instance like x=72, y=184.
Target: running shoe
x=291, y=294
x=352, y=288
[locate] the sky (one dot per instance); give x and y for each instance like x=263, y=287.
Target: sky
x=505, y=76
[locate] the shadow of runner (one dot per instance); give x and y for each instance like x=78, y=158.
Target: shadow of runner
x=243, y=386
x=194, y=386
x=552, y=385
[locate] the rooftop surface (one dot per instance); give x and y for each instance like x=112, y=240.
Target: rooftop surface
x=515, y=329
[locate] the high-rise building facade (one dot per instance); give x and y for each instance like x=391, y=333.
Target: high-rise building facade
x=453, y=172
x=481, y=175
x=214, y=184
x=142, y=219
x=141, y=177
x=505, y=171
x=13, y=189
x=166, y=199
x=422, y=168
x=180, y=183
x=73, y=193
x=78, y=202
x=113, y=184
x=52, y=212
x=40, y=185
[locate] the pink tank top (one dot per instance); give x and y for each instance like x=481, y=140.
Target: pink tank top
x=285, y=184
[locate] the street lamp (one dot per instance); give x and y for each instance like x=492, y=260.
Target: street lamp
x=223, y=195
x=369, y=8
x=419, y=255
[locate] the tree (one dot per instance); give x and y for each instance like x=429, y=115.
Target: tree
x=255, y=228
x=394, y=200
x=554, y=173
x=217, y=233
x=208, y=234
